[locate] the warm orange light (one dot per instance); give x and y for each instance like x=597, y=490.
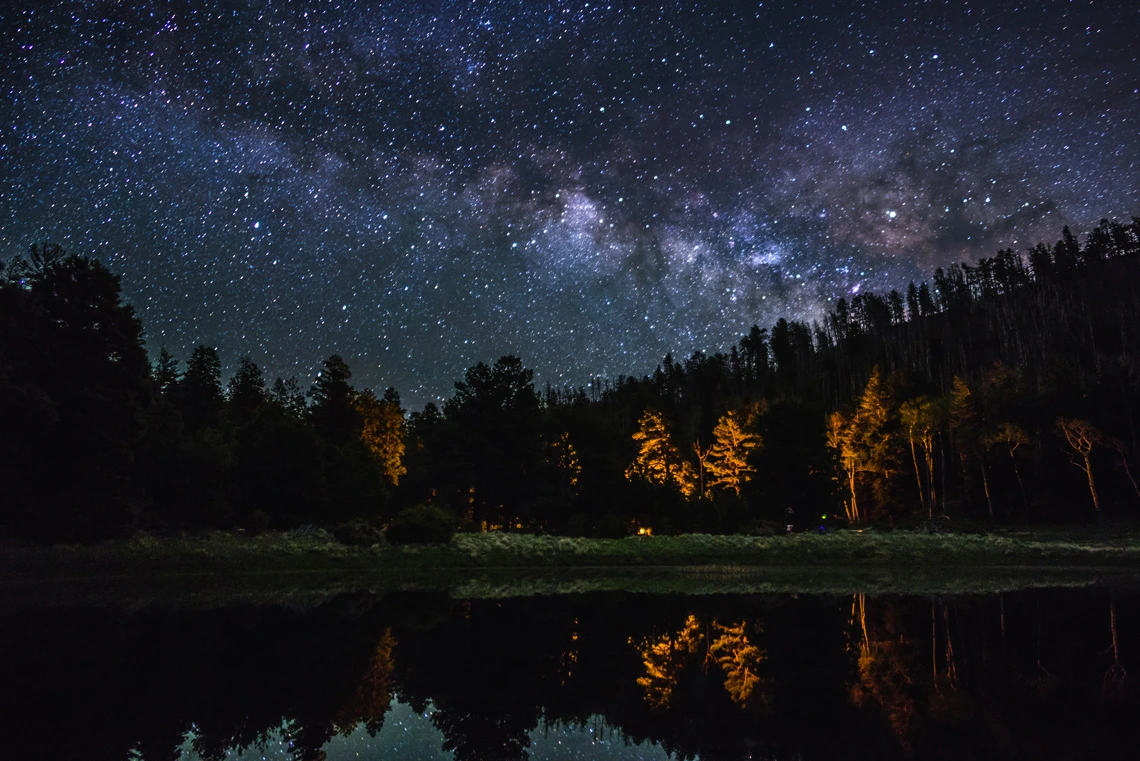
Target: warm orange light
x=645, y=531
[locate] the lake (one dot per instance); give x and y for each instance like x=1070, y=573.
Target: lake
x=1039, y=673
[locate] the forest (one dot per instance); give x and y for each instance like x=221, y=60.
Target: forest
x=1000, y=392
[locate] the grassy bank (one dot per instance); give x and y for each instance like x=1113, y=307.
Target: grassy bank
x=310, y=567
x=318, y=550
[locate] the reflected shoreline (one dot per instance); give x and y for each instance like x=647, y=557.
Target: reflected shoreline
x=304, y=589
x=1034, y=673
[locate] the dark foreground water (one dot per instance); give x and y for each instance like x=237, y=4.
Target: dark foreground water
x=1037, y=674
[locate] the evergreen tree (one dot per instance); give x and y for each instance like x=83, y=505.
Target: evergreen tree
x=728, y=459
x=332, y=403
x=382, y=431
x=165, y=371
x=246, y=390
x=658, y=460
x=200, y=389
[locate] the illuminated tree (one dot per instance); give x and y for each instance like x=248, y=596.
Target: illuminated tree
x=382, y=431
x=727, y=461
x=863, y=442
x=1082, y=436
x=740, y=659
x=664, y=658
x=667, y=657
x=885, y=668
x=658, y=461
x=872, y=419
x=909, y=415
x=564, y=457
x=373, y=696
x=923, y=420
x=841, y=439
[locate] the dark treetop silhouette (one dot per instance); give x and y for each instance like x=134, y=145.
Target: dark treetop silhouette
x=1004, y=390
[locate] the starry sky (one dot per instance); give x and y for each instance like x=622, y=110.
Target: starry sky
x=419, y=186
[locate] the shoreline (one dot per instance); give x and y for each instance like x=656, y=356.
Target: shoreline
x=227, y=568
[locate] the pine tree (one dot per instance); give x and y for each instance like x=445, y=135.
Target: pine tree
x=564, y=457
x=382, y=431
x=727, y=462
x=658, y=461
x=165, y=371
x=864, y=442
x=841, y=439
x=246, y=390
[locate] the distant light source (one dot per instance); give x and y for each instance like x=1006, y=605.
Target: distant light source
x=645, y=531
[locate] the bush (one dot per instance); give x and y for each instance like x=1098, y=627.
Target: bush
x=613, y=526
x=422, y=524
x=358, y=533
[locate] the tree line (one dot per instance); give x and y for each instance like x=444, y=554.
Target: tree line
x=1003, y=391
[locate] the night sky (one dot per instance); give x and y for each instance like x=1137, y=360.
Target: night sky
x=420, y=186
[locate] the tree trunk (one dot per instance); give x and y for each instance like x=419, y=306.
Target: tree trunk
x=1020, y=485
x=1092, y=491
x=942, y=449
x=931, y=495
x=854, y=506
x=918, y=478
x=986, y=488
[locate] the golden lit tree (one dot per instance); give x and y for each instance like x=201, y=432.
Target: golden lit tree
x=383, y=433
x=563, y=456
x=1082, y=436
x=909, y=415
x=658, y=461
x=727, y=460
x=373, y=695
x=664, y=659
x=841, y=438
x=923, y=420
x=668, y=657
x=864, y=442
x=740, y=659
x=885, y=668
x=873, y=420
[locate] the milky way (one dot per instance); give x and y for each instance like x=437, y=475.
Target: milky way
x=420, y=186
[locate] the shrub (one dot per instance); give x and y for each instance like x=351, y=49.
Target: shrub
x=613, y=526
x=358, y=533
x=422, y=524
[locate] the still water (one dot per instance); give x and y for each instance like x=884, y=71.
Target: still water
x=1047, y=673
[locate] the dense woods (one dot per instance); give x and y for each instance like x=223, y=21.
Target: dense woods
x=1002, y=391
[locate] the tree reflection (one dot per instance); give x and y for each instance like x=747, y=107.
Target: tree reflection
x=373, y=696
x=716, y=678
x=728, y=646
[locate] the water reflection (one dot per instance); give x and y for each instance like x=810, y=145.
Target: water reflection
x=412, y=736
x=1035, y=674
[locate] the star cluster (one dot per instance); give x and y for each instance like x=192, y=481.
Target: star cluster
x=420, y=186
